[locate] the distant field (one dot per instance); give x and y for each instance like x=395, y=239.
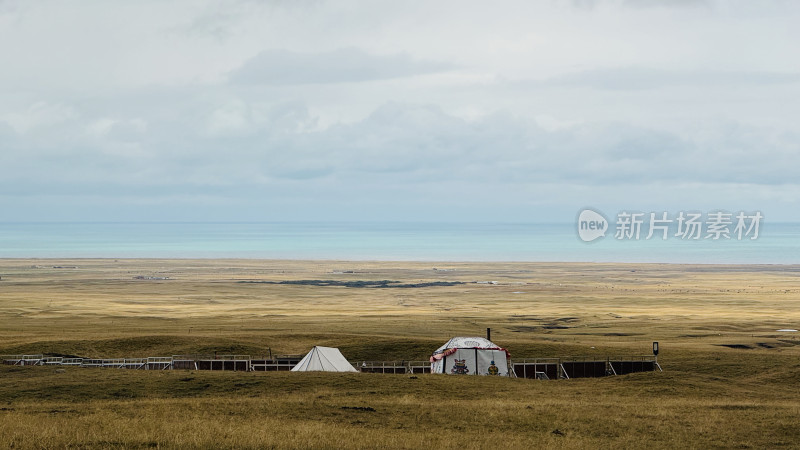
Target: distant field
x=731, y=379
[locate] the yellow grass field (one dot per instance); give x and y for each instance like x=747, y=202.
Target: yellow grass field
x=730, y=378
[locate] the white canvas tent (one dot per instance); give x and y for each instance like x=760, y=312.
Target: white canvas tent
x=470, y=356
x=324, y=359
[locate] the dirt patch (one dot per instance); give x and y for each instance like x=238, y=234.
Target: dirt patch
x=360, y=283
x=524, y=329
x=359, y=408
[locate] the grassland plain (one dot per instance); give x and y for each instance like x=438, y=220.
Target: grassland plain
x=730, y=379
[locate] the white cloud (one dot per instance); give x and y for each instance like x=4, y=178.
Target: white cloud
x=634, y=78
x=232, y=118
x=407, y=144
x=129, y=129
x=642, y=4
x=344, y=65
x=346, y=107
x=39, y=114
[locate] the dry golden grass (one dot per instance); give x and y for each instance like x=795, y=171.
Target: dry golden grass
x=709, y=395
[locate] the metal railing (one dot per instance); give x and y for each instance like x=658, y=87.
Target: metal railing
x=538, y=368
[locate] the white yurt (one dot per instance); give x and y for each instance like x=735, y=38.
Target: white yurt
x=470, y=356
x=324, y=359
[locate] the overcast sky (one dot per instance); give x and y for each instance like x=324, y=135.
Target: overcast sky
x=433, y=110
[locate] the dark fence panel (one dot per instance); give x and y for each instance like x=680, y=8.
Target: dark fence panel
x=528, y=370
x=384, y=369
x=585, y=369
x=626, y=367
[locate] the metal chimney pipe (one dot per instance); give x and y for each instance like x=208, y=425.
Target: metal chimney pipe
x=488, y=334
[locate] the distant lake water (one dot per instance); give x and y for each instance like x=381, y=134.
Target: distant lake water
x=778, y=243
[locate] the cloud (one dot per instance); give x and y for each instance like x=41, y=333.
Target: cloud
x=345, y=109
x=641, y=4
x=39, y=114
x=667, y=3
x=230, y=119
x=400, y=154
x=283, y=67
x=222, y=20
x=246, y=144
x=640, y=78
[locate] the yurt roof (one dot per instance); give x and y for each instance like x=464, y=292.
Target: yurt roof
x=468, y=342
